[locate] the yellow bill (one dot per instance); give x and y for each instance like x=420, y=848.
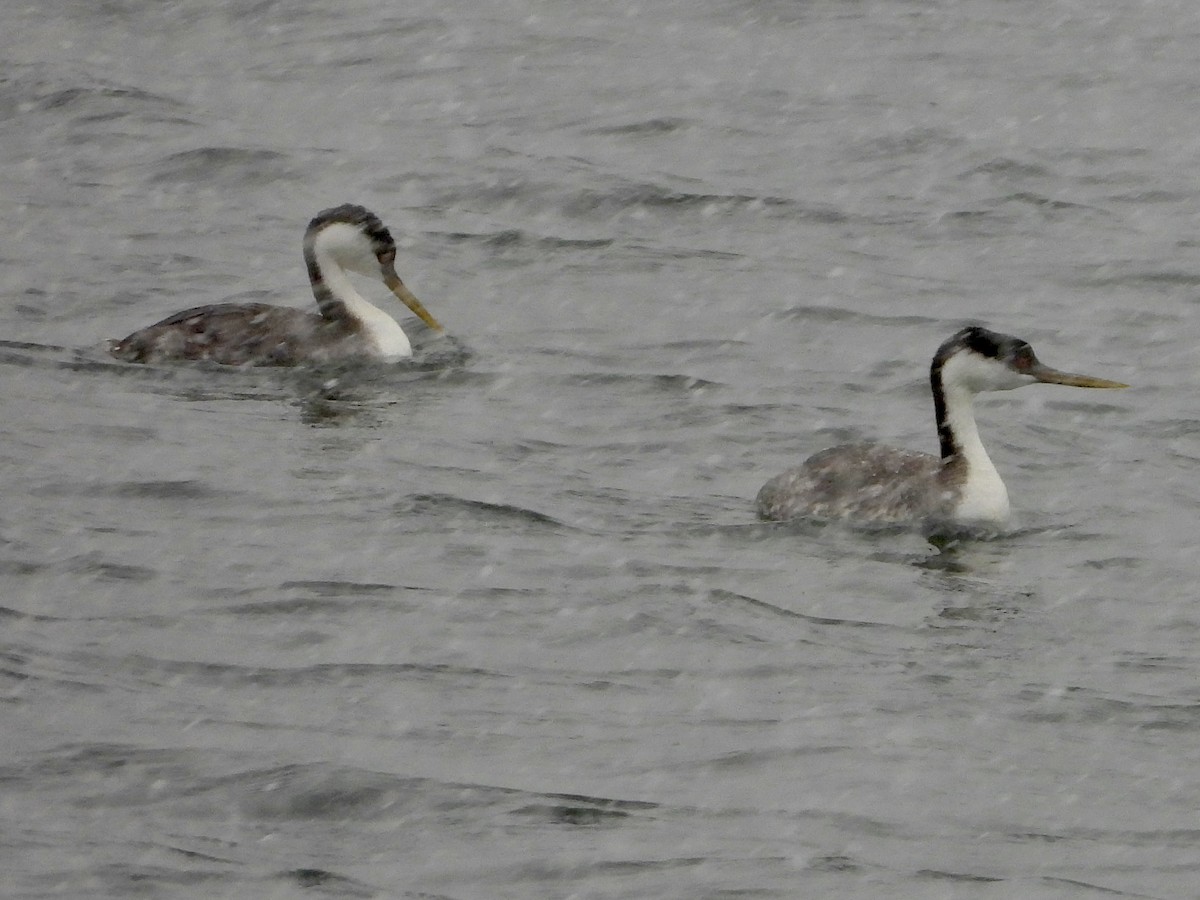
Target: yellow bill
x=405, y=296
x=1053, y=376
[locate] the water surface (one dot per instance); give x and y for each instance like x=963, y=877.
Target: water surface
x=504, y=625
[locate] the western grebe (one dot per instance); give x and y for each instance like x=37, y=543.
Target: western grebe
x=340, y=240
x=871, y=483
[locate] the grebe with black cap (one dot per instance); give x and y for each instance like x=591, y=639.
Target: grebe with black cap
x=876, y=484
x=340, y=240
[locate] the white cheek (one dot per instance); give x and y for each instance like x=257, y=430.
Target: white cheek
x=346, y=245
x=978, y=374
x=1009, y=380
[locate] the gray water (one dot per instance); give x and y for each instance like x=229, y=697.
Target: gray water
x=504, y=626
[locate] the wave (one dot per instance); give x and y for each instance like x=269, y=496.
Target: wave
x=37, y=88
x=515, y=238
x=225, y=167
x=653, y=127
x=123, y=775
x=615, y=196
x=625, y=196
x=809, y=313
x=329, y=393
x=340, y=675
x=479, y=510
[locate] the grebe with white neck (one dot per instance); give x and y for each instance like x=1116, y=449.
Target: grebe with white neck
x=876, y=484
x=338, y=241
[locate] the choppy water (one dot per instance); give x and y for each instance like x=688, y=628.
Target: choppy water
x=506, y=626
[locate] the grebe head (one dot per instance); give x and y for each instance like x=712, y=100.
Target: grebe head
x=354, y=239
x=976, y=359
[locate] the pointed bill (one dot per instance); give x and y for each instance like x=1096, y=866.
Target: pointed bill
x=1053, y=376
x=405, y=296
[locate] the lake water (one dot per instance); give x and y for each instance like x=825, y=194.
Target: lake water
x=505, y=626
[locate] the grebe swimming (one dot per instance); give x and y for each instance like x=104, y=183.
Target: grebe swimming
x=340, y=240
x=875, y=484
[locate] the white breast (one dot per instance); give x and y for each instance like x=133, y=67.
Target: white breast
x=384, y=333
x=984, y=498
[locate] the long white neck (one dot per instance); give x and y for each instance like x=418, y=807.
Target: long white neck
x=983, y=497
x=382, y=331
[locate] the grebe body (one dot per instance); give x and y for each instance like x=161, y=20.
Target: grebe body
x=880, y=485
x=338, y=241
